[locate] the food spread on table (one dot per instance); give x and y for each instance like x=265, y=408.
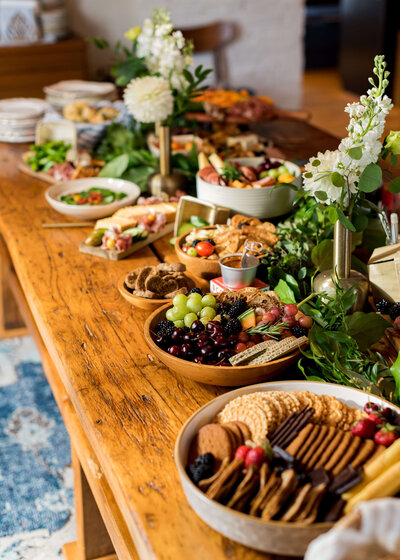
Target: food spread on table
x=82, y=112
x=296, y=456
x=233, y=174
x=221, y=104
x=164, y=281
x=225, y=239
x=92, y=197
x=245, y=327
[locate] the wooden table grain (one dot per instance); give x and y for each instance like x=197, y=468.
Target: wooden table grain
x=122, y=408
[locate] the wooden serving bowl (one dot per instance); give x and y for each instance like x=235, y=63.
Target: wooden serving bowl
x=274, y=537
x=202, y=268
x=228, y=376
x=146, y=304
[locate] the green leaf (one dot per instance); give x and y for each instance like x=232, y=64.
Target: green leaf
x=139, y=176
x=321, y=195
x=332, y=214
x=395, y=371
x=370, y=178
x=285, y=293
x=366, y=328
x=393, y=159
x=355, y=153
x=360, y=221
x=116, y=167
x=302, y=273
x=99, y=42
x=322, y=255
x=394, y=186
x=337, y=179
x=345, y=220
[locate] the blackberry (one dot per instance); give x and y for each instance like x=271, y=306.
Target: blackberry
x=238, y=307
x=200, y=472
x=205, y=459
x=210, y=241
x=299, y=331
x=195, y=242
x=223, y=308
x=196, y=291
x=394, y=311
x=165, y=327
x=383, y=306
x=233, y=326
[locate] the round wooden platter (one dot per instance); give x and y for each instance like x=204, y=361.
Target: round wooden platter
x=226, y=376
x=197, y=266
x=146, y=304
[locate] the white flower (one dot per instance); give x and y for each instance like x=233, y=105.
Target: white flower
x=318, y=177
x=149, y=99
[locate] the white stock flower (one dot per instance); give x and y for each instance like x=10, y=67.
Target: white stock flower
x=149, y=99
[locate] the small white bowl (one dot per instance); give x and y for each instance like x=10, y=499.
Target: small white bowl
x=275, y=537
x=54, y=193
x=267, y=202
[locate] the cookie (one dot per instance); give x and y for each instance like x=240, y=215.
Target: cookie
x=212, y=438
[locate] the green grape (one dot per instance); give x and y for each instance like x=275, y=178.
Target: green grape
x=170, y=314
x=179, y=324
x=189, y=318
x=274, y=173
x=180, y=299
x=205, y=320
x=180, y=311
x=282, y=169
x=195, y=297
x=208, y=312
x=209, y=301
x=194, y=306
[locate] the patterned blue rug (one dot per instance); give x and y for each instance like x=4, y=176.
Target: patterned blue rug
x=36, y=499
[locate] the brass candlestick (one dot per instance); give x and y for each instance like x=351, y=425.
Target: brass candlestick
x=165, y=180
x=347, y=277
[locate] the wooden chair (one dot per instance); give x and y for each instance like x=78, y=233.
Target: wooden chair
x=213, y=38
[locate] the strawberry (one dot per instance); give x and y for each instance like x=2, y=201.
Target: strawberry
x=254, y=457
x=376, y=418
x=242, y=452
x=364, y=428
x=386, y=435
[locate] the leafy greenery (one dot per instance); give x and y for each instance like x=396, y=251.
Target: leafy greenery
x=44, y=156
x=231, y=173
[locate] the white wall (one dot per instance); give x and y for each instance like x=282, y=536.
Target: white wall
x=267, y=56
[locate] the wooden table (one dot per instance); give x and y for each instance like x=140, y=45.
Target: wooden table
x=122, y=408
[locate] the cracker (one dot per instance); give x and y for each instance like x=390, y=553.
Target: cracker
x=245, y=409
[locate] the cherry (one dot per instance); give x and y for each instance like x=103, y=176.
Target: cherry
x=206, y=351
x=187, y=337
x=371, y=407
x=174, y=350
x=186, y=351
x=232, y=340
x=220, y=342
x=198, y=359
x=241, y=452
x=177, y=335
x=197, y=326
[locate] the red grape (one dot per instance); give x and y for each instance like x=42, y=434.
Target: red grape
x=289, y=320
x=275, y=311
x=269, y=318
x=243, y=337
x=250, y=344
x=290, y=309
x=305, y=321
x=240, y=347
x=256, y=338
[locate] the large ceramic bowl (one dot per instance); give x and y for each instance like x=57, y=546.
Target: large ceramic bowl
x=267, y=202
x=54, y=193
x=214, y=375
x=202, y=268
x=275, y=537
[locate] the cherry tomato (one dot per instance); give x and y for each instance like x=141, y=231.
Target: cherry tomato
x=204, y=249
x=185, y=248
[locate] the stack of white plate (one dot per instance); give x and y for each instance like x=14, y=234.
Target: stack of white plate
x=67, y=91
x=19, y=117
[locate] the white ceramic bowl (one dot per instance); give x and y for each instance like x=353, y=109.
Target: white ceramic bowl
x=54, y=193
x=274, y=537
x=263, y=203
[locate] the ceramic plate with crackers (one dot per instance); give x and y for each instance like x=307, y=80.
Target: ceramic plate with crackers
x=311, y=464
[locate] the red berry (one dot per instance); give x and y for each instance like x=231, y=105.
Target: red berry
x=386, y=436
x=254, y=457
x=376, y=418
x=256, y=338
x=250, y=344
x=305, y=321
x=286, y=334
x=276, y=311
x=370, y=407
x=290, y=309
x=241, y=452
x=266, y=337
x=240, y=347
x=243, y=337
x=364, y=428
x=388, y=413
x=185, y=248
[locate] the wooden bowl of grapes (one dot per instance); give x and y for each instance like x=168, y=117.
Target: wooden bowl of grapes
x=198, y=352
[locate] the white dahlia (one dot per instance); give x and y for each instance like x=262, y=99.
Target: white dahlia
x=149, y=99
